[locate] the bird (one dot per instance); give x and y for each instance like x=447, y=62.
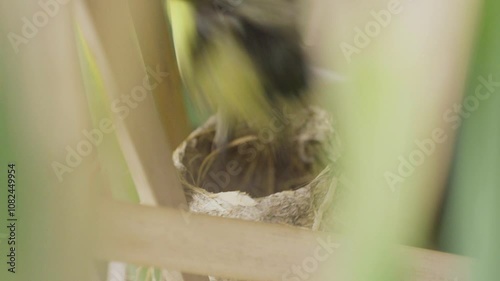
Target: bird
x=241, y=58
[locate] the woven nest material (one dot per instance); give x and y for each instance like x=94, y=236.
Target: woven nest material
x=230, y=184
x=297, y=190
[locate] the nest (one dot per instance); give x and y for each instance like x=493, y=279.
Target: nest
x=262, y=178
x=287, y=181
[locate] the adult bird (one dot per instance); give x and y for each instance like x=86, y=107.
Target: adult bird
x=242, y=58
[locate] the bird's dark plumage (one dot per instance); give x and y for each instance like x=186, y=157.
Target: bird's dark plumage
x=274, y=49
x=245, y=59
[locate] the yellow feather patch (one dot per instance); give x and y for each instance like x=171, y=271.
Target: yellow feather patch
x=223, y=77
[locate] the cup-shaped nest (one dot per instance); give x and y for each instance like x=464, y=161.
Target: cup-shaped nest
x=260, y=161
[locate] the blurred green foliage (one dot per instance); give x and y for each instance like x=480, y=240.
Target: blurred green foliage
x=472, y=223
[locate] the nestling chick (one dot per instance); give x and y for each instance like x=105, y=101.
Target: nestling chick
x=240, y=57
